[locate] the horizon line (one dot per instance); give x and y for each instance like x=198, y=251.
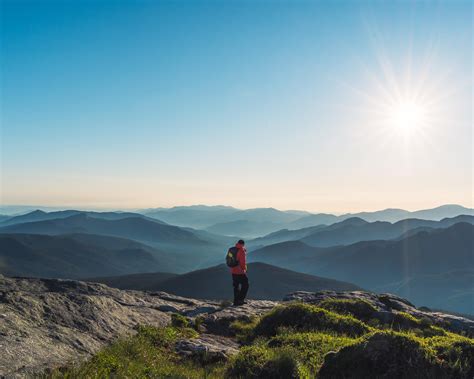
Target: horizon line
x=90, y=208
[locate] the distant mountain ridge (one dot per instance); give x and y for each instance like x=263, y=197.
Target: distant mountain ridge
x=405, y=257
x=397, y=266
x=248, y=223
x=77, y=255
x=354, y=230
x=243, y=228
x=191, y=250
x=267, y=282
x=135, y=227
x=387, y=215
x=203, y=217
x=260, y=221
x=39, y=215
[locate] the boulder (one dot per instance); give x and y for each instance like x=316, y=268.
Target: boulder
x=218, y=322
x=208, y=348
x=383, y=355
x=47, y=323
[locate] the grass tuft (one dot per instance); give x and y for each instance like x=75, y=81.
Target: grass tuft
x=305, y=317
x=359, y=308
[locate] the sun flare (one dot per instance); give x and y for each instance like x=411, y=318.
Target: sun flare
x=407, y=116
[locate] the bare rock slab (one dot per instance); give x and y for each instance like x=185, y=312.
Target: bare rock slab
x=218, y=322
x=208, y=348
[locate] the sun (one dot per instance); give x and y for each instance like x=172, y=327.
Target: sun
x=407, y=116
x=403, y=100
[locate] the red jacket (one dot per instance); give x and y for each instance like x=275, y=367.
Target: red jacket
x=241, y=269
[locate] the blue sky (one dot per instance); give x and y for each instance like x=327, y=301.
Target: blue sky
x=290, y=104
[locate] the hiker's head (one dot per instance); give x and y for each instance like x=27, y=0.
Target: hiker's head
x=241, y=242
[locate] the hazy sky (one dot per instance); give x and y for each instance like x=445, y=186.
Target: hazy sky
x=317, y=105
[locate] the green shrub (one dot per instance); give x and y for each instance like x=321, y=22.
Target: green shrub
x=358, y=308
x=311, y=346
x=305, y=317
x=244, y=329
x=405, y=322
x=179, y=321
x=198, y=321
x=162, y=337
x=384, y=354
x=249, y=362
x=374, y=323
x=262, y=362
x=150, y=353
x=426, y=322
x=284, y=364
x=456, y=351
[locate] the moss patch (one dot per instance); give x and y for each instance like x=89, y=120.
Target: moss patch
x=311, y=347
x=305, y=317
x=179, y=321
x=361, y=309
x=261, y=362
x=455, y=352
x=383, y=354
x=150, y=353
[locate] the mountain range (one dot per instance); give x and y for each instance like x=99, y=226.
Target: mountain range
x=355, y=229
x=187, y=249
x=400, y=266
x=247, y=223
x=426, y=260
x=135, y=227
x=251, y=223
x=75, y=256
x=39, y=215
x=267, y=282
x=388, y=215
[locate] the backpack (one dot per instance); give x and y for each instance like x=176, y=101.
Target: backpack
x=231, y=257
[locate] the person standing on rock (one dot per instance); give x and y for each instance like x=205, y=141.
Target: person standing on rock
x=236, y=259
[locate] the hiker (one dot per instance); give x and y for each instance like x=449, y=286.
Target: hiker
x=236, y=260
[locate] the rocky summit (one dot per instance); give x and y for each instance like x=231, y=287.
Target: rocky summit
x=50, y=323
x=46, y=323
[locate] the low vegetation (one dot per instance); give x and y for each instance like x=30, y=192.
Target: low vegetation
x=359, y=308
x=305, y=317
x=149, y=353
x=334, y=339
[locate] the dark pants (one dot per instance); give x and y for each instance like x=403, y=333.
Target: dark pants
x=241, y=286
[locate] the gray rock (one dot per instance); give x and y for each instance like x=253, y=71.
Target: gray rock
x=167, y=308
x=201, y=310
x=46, y=323
x=218, y=322
x=208, y=348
